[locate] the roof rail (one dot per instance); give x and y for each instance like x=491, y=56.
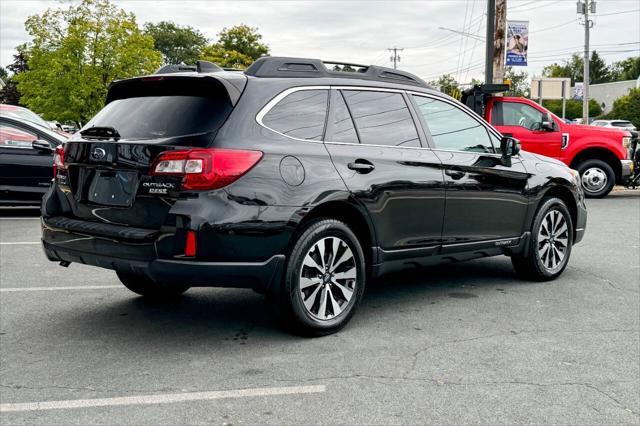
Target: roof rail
x=272, y=66
x=200, y=66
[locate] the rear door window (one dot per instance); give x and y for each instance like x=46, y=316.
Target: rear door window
x=300, y=115
x=343, y=129
x=382, y=118
x=451, y=128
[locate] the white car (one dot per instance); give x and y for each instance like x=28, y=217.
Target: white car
x=617, y=124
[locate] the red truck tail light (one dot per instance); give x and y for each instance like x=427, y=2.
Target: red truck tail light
x=58, y=160
x=203, y=169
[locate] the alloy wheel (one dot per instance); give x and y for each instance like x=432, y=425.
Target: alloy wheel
x=328, y=278
x=553, y=240
x=594, y=179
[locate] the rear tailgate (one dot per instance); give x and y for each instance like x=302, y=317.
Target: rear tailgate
x=106, y=174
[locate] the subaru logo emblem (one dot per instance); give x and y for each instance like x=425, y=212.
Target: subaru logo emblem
x=98, y=153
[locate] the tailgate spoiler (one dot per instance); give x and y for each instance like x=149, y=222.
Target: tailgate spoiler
x=476, y=97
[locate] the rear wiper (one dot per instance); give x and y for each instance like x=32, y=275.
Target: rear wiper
x=101, y=133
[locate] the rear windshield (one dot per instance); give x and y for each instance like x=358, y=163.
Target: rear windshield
x=621, y=124
x=158, y=117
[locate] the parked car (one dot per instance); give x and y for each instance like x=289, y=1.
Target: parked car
x=615, y=124
x=24, y=114
x=302, y=183
x=601, y=155
x=26, y=158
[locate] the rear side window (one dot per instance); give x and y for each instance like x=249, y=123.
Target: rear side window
x=300, y=115
x=382, y=118
x=157, y=117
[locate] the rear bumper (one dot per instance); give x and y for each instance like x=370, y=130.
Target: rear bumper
x=60, y=245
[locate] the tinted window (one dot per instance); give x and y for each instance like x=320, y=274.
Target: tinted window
x=621, y=124
x=516, y=114
x=452, y=128
x=382, y=118
x=301, y=115
x=15, y=137
x=343, y=129
x=156, y=117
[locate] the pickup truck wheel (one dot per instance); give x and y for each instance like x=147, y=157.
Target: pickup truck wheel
x=549, y=245
x=145, y=286
x=597, y=178
x=324, y=279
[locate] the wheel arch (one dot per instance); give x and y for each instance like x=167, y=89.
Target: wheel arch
x=599, y=153
x=566, y=195
x=354, y=216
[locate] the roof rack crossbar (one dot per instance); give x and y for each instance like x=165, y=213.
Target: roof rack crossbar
x=269, y=66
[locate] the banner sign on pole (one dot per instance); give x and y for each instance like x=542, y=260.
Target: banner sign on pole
x=517, y=43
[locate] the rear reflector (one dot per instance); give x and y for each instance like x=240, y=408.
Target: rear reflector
x=190, y=244
x=203, y=169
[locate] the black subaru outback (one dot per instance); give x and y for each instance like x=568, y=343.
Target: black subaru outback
x=301, y=180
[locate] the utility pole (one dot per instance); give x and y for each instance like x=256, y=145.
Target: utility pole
x=495, y=41
x=491, y=23
x=395, y=58
x=583, y=9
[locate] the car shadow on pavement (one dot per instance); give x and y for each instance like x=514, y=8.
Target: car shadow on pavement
x=232, y=316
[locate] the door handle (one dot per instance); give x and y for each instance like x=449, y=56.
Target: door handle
x=455, y=174
x=361, y=166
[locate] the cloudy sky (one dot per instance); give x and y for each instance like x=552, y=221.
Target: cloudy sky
x=361, y=31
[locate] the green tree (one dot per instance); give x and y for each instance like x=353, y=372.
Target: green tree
x=447, y=84
x=243, y=39
x=627, y=69
x=237, y=47
x=519, y=84
x=74, y=55
x=4, y=74
x=9, y=93
x=225, y=58
x=599, y=72
x=176, y=43
x=627, y=108
x=573, y=108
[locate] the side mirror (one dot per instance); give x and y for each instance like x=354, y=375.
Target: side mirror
x=547, y=123
x=509, y=146
x=41, y=145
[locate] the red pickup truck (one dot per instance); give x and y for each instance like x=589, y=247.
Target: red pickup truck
x=599, y=154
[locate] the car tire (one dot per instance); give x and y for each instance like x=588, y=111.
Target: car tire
x=597, y=178
x=145, y=286
x=550, y=243
x=324, y=279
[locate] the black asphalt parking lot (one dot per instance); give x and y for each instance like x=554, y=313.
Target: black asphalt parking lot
x=447, y=345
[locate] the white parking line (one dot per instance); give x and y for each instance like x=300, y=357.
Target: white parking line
x=80, y=287
x=160, y=399
x=20, y=243
x=19, y=218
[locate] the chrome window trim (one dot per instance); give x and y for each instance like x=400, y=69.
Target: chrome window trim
x=265, y=110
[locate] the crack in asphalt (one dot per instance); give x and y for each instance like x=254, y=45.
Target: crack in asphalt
x=606, y=280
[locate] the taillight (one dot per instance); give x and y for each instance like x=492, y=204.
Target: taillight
x=58, y=160
x=203, y=169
